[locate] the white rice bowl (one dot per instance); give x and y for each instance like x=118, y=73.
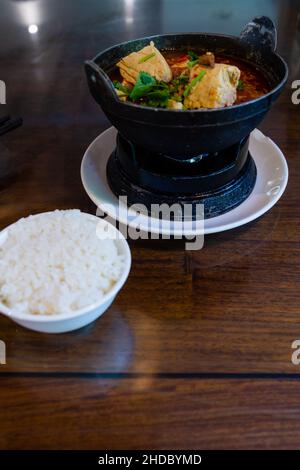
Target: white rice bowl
x=58, y=262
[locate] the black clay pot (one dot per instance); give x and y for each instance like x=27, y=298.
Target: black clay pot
x=186, y=134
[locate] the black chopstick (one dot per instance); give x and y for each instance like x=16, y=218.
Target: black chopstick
x=7, y=124
x=4, y=119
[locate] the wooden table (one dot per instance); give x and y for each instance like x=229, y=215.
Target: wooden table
x=196, y=350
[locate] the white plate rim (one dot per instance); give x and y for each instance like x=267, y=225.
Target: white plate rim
x=187, y=231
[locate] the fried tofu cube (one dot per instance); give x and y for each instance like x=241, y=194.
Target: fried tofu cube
x=216, y=89
x=149, y=60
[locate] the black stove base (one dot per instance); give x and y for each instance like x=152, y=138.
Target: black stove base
x=216, y=202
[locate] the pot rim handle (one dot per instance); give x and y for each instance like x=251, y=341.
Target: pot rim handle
x=99, y=83
x=260, y=32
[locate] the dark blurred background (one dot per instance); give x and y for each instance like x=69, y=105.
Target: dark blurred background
x=43, y=45
x=42, y=37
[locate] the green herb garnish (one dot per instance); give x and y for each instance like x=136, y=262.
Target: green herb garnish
x=158, y=98
x=193, y=83
x=125, y=89
x=194, y=59
x=143, y=85
x=241, y=85
x=147, y=57
x=151, y=91
x=176, y=83
x=192, y=55
x=191, y=63
x=183, y=79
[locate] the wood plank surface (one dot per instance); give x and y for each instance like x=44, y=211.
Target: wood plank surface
x=146, y=413
x=196, y=350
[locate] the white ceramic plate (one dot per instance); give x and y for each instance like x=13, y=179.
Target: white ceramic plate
x=272, y=178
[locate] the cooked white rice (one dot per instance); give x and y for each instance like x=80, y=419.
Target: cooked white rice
x=57, y=263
